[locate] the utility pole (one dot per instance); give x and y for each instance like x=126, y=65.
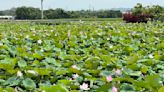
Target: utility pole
x=42, y=15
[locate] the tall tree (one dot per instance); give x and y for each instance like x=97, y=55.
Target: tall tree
x=27, y=13
x=138, y=9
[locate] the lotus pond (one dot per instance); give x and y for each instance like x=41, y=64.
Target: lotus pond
x=82, y=57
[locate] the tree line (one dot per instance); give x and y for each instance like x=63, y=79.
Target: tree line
x=35, y=13
x=155, y=12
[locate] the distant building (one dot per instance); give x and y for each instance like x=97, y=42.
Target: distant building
x=125, y=12
x=7, y=17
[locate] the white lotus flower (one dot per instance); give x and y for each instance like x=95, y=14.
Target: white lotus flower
x=19, y=74
x=111, y=46
x=39, y=41
x=80, y=21
x=42, y=50
x=84, y=86
x=81, y=32
x=32, y=72
x=151, y=56
x=27, y=36
x=118, y=72
x=75, y=67
x=1, y=44
x=70, y=79
x=75, y=76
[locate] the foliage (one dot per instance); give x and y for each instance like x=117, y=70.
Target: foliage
x=78, y=57
x=55, y=14
x=27, y=13
x=8, y=12
x=155, y=12
x=34, y=13
x=60, y=13
x=138, y=9
x=129, y=17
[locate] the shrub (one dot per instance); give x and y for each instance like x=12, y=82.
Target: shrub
x=129, y=17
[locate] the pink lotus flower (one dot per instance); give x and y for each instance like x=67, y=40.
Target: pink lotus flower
x=69, y=33
x=114, y=89
x=109, y=78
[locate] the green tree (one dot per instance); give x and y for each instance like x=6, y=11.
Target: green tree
x=1, y=13
x=27, y=13
x=154, y=12
x=57, y=13
x=138, y=9
x=158, y=12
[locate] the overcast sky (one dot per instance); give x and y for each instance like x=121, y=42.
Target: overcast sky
x=78, y=4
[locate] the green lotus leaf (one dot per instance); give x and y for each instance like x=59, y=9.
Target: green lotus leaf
x=22, y=63
x=161, y=89
x=29, y=84
x=12, y=81
x=56, y=88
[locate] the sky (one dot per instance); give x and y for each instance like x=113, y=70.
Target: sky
x=78, y=4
